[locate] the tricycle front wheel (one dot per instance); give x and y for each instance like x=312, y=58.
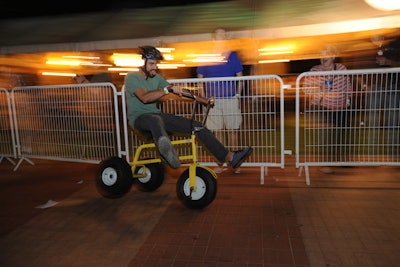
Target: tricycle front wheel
x=206, y=189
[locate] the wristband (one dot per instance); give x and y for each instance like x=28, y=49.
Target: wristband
x=166, y=92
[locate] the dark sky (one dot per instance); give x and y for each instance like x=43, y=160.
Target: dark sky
x=16, y=9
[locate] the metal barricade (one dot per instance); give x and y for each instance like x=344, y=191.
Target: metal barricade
x=82, y=123
x=7, y=136
x=67, y=122
x=363, y=133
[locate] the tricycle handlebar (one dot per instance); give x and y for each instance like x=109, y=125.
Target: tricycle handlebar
x=199, y=99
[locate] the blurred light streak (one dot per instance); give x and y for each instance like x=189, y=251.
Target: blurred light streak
x=166, y=49
x=169, y=66
x=273, y=49
x=63, y=62
x=127, y=60
x=206, y=58
x=74, y=62
x=123, y=69
x=82, y=57
x=324, y=29
x=95, y=64
x=168, y=57
x=384, y=5
x=273, y=61
x=48, y=73
x=275, y=53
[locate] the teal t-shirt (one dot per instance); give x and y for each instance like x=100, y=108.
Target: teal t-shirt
x=135, y=107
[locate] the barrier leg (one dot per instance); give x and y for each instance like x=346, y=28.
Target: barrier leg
x=20, y=161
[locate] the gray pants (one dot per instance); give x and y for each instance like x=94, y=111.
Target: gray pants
x=164, y=124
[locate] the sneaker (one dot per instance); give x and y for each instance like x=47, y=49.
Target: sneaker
x=236, y=171
x=219, y=169
x=168, y=152
x=240, y=156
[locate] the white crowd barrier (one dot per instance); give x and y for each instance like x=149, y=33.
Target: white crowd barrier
x=7, y=133
x=67, y=122
x=83, y=122
x=368, y=134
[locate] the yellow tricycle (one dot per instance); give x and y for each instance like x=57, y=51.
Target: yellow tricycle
x=196, y=186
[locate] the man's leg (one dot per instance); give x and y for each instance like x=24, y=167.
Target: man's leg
x=151, y=123
x=232, y=122
x=181, y=125
x=154, y=124
x=176, y=124
x=215, y=122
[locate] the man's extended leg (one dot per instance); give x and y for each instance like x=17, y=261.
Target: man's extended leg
x=176, y=124
x=182, y=125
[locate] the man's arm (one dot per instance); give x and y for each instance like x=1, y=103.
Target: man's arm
x=154, y=95
x=240, y=83
x=201, y=86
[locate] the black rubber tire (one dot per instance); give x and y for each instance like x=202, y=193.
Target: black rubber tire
x=114, y=177
x=206, y=189
x=154, y=177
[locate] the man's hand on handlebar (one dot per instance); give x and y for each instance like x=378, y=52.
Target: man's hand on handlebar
x=175, y=89
x=204, y=101
x=187, y=93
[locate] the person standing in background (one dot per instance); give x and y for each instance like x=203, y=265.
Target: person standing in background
x=335, y=91
x=330, y=97
x=226, y=114
x=383, y=99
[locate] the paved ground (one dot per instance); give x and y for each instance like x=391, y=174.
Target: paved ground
x=349, y=218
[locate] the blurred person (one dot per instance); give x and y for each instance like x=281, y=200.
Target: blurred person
x=382, y=99
x=80, y=78
x=382, y=61
x=334, y=91
x=392, y=52
x=330, y=96
x=97, y=62
x=390, y=55
x=10, y=79
x=392, y=99
x=144, y=89
x=100, y=77
x=226, y=114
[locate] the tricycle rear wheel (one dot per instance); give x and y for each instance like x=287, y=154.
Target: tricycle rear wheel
x=114, y=177
x=154, y=177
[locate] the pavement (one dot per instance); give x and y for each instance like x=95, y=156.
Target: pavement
x=52, y=215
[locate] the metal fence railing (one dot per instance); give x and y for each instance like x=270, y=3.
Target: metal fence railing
x=365, y=132
x=82, y=122
x=66, y=122
x=7, y=134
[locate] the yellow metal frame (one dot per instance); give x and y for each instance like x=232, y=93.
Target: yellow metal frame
x=137, y=162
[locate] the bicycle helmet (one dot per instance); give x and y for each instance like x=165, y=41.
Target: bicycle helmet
x=150, y=52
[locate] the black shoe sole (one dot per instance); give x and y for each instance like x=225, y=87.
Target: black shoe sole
x=248, y=150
